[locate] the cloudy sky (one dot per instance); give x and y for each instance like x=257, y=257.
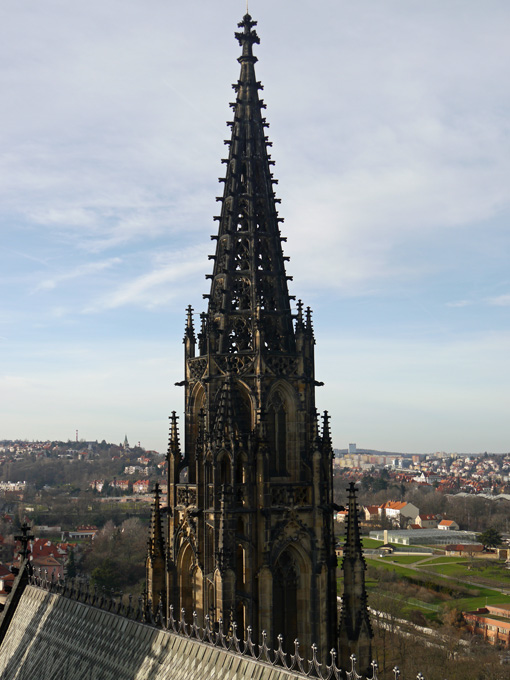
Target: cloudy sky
x=390, y=123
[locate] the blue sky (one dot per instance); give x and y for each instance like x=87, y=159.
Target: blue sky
x=390, y=124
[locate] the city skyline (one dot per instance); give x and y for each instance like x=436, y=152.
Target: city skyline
x=395, y=203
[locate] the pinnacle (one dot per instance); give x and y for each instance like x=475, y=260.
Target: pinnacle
x=247, y=38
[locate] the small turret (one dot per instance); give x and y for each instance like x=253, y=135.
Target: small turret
x=189, y=335
x=155, y=565
x=173, y=445
x=355, y=634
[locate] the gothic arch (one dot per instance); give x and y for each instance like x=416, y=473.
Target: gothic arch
x=248, y=402
x=241, y=567
x=185, y=568
x=291, y=596
x=197, y=399
x=196, y=403
x=224, y=467
x=241, y=612
x=282, y=430
x=208, y=479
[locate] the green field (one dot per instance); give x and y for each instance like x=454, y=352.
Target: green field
x=457, y=570
x=493, y=573
x=404, y=559
x=384, y=564
x=443, y=560
x=371, y=543
x=470, y=603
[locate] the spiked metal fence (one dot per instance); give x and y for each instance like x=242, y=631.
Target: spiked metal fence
x=138, y=610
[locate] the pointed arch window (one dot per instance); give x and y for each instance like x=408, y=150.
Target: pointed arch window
x=240, y=567
x=285, y=599
x=277, y=430
x=225, y=469
x=185, y=566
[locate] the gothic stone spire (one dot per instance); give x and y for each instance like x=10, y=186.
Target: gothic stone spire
x=250, y=520
x=249, y=300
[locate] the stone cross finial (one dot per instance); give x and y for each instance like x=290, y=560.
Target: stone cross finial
x=24, y=538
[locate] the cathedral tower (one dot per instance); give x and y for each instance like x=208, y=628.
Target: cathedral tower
x=250, y=526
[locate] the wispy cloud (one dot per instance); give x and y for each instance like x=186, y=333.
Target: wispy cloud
x=393, y=174
x=83, y=270
x=175, y=273
x=460, y=303
x=500, y=300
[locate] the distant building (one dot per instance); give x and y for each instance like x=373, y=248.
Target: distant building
x=352, y=448
x=423, y=537
x=426, y=478
x=427, y=521
x=398, y=511
x=448, y=525
x=464, y=550
x=141, y=486
x=88, y=531
x=97, y=484
x=492, y=622
x=371, y=513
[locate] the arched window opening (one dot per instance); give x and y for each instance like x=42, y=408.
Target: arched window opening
x=184, y=475
x=285, y=597
x=241, y=620
x=240, y=335
x=241, y=472
x=225, y=470
x=186, y=564
x=195, y=423
x=209, y=550
x=240, y=567
x=209, y=495
x=242, y=178
x=277, y=430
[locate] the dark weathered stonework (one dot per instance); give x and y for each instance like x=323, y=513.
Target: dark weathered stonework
x=250, y=525
x=355, y=628
x=247, y=556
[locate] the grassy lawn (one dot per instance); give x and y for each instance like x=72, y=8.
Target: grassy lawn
x=494, y=573
x=457, y=570
x=392, y=566
x=371, y=543
x=470, y=603
x=442, y=560
x=430, y=570
x=404, y=559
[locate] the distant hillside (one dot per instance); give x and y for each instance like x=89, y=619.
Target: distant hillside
x=373, y=452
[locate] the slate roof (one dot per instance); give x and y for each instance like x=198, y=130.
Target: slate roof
x=52, y=637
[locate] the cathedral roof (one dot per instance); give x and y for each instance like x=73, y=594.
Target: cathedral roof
x=52, y=637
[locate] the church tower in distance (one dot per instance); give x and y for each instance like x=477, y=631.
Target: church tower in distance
x=250, y=535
